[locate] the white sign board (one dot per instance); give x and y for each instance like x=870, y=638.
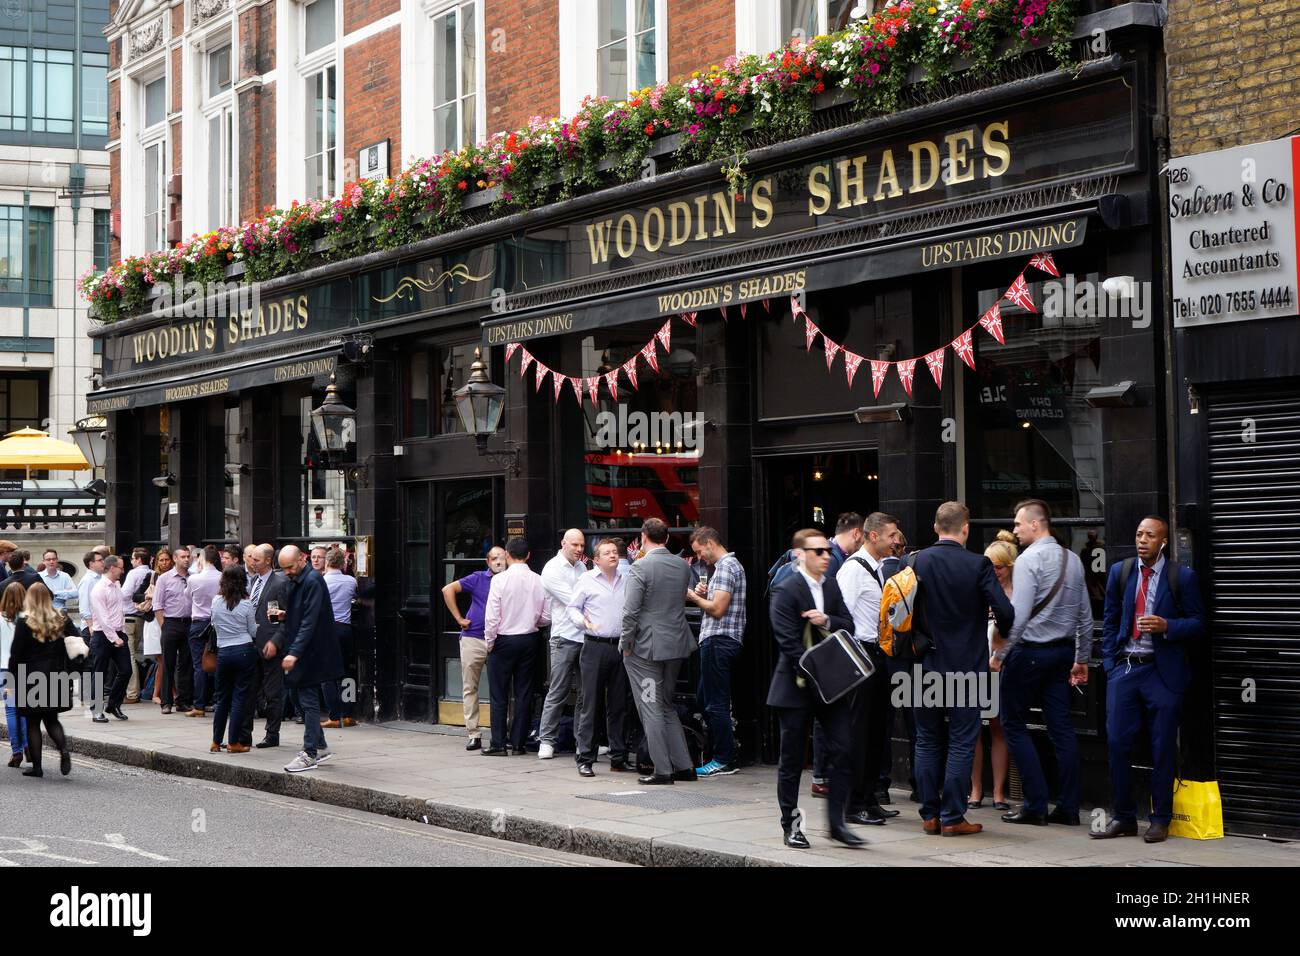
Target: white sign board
x=1232, y=231
x=372, y=161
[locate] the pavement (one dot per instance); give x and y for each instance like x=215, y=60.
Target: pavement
x=423, y=773
x=178, y=821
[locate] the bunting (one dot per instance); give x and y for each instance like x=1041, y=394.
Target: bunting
x=593, y=387
x=832, y=349
x=651, y=357
x=964, y=348
x=689, y=317
x=558, y=381
x=525, y=361
x=723, y=310
x=767, y=305
x=510, y=350
x=542, y=371
x=577, y=389
x=851, y=362
x=664, y=335
x=1045, y=263
x=906, y=368
x=991, y=322
x=611, y=381
x=878, y=372
x=742, y=310
x=1019, y=294
x=810, y=331
x=934, y=362
x=795, y=308
x=629, y=369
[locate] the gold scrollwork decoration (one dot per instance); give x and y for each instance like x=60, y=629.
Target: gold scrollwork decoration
x=458, y=273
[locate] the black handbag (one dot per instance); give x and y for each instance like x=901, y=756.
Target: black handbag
x=835, y=665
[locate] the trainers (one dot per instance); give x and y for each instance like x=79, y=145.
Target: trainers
x=545, y=752
x=300, y=763
x=715, y=768
x=323, y=755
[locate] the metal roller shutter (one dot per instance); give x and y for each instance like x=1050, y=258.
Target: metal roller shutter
x=1255, y=559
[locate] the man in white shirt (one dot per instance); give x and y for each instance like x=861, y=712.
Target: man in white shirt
x=559, y=578
x=135, y=578
x=597, y=608
x=56, y=579
x=862, y=581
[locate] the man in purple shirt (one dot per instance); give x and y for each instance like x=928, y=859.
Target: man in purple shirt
x=171, y=601
x=473, y=649
x=342, y=589
x=203, y=588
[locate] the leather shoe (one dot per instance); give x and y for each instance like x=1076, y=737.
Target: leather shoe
x=330, y=724
x=1024, y=816
x=584, y=770
x=865, y=818
x=1065, y=819
x=847, y=837
x=496, y=752
x=1116, y=828
x=518, y=751
x=117, y=713
x=687, y=776
x=238, y=749
x=1156, y=833
x=620, y=767
x=931, y=827
x=99, y=719
x=796, y=840
x=882, y=811
x=964, y=828
x=475, y=744
x=820, y=790
x=654, y=779
x=267, y=742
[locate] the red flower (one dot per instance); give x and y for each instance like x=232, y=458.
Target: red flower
x=462, y=185
x=649, y=129
x=731, y=108
x=820, y=87
x=890, y=41
x=720, y=95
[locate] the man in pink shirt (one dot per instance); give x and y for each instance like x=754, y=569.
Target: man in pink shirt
x=517, y=606
x=108, y=641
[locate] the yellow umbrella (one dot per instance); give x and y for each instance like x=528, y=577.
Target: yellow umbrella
x=29, y=448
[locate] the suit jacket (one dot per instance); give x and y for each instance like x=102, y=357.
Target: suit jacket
x=789, y=600
x=24, y=576
x=654, y=608
x=309, y=631
x=957, y=589
x=1169, y=647
x=277, y=588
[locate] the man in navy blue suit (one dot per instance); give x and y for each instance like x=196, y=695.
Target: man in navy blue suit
x=1144, y=636
x=957, y=589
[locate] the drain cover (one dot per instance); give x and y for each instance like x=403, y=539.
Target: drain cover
x=660, y=798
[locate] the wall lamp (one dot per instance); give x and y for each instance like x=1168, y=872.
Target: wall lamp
x=1112, y=396
x=873, y=414
x=163, y=481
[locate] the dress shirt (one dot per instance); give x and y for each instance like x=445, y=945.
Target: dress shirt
x=256, y=585
x=476, y=585
x=815, y=586
x=1067, y=615
x=88, y=582
x=559, y=578
x=203, y=588
x=342, y=588
x=1143, y=645
x=130, y=585
x=171, y=594
x=61, y=587
x=516, y=604
x=862, y=591
x=601, y=601
x=233, y=627
x=106, y=608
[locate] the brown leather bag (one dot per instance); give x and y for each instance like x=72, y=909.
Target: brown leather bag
x=210, y=651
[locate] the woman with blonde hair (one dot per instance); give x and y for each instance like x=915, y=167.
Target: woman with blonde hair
x=39, y=648
x=1002, y=552
x=11, y=605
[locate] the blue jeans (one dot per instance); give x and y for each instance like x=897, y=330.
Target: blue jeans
x=313, y=738
x=17, y=727
x=199, y=627
x=235, y=666
x=1040, y=675
x=714, y=694
x=943, y=780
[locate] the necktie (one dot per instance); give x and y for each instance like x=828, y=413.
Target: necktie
x=1140, y=606
x=257, y=590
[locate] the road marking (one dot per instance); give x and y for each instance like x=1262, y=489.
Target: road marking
x=35, y=848
x=115, y=842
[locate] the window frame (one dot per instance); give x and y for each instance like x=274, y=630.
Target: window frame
x=153, y=137
x=435, y=11
x=660, y=31
x=27, y=288
x=221, y=209
x=310, y=67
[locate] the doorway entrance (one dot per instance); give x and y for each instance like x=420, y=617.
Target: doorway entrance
x=813, y=490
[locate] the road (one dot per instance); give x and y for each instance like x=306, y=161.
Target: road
x=103, y=813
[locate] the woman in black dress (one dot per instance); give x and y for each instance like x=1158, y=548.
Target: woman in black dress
x=39, y=648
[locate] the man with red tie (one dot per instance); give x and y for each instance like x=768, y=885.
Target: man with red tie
x=1146, y=628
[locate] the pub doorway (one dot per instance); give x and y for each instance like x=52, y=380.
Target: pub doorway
x=813, y=490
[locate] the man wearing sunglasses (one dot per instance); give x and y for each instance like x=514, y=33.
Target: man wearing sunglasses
x=809, y=596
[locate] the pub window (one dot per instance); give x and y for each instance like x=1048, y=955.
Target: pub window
x=318, y=25
x=457, y=42
x=27, y=251
x=811, y=18
x=322, y=134
x=219, y=126
x=234, y=457
x=329, y=487
x=153, y=143
x=431, y=377
x=415, y=407
x=453, y=364
x=417, y=524
x=103, y=239
x=630, y=54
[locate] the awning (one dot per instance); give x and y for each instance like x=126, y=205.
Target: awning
x=320, y=362
x=779, y=281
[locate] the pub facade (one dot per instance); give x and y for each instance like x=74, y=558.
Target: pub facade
x=675, y=348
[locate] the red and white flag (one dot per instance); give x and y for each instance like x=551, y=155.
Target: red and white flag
x=795, y=308
x=991, y=321
x=558, y=381
x=1045, y=263
x=689, y=317
x=576, y=382
x=832, y=349
x=593, y=387
x=723, y=310
x=629, y=369
x=934, y=362
x=851, y=362
x=525, y=361
x=906, y=369
x=878, y=372
x=664, y=335
x=611, y=379
x=810, y=331
x=742, y=309
x=767, y=305
x=542, y=371
x=651, y=357
x=1019, y=294
x=510, y=350
x=965, y=348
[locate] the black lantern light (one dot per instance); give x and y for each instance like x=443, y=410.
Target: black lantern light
x=90, y=437
x=479, y=403
x=330, y=420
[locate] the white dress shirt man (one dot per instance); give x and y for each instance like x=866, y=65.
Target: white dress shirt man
x=559, y=578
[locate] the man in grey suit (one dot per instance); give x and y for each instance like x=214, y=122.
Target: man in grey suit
x=656, y=642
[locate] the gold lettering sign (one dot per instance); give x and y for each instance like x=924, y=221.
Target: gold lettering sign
x=114, y=404
x=529, y=328
x=279, y=317
x=940, y=255
x=212, y=386
x=308, y=369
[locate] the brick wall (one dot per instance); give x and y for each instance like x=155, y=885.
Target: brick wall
x=256, y=111
x=115, y=200
x=178, y=20
x=522, y=54
x=372, y=97
x=701, y=33
x=1234, y=72
x=357, y=13
x=177, y=82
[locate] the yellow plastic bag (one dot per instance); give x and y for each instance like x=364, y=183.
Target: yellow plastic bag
x=1198, y=812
